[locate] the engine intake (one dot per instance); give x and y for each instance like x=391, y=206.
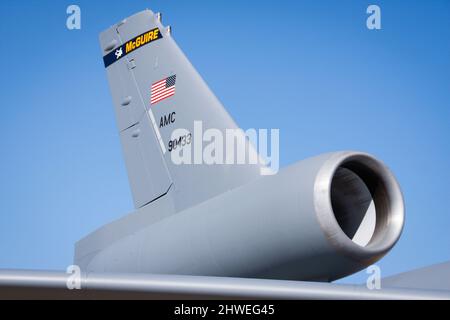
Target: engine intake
x=359, y=205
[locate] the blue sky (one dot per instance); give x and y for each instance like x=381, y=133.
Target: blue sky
x=310, y=68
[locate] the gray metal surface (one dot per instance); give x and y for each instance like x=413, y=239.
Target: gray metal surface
x=147, y=171
x=193, y=101
x=52, y=285
x=88, y=247
x=122, y=86
x=276, y=227
x=227, y=220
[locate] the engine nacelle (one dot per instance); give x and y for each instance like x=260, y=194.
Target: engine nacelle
x=320, y=219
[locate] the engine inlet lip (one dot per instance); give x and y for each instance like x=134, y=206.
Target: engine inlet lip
x=389, y=205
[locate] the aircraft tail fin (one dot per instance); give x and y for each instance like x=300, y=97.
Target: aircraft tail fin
x=155, y=91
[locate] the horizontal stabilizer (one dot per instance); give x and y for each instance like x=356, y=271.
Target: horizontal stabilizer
x=435, y=277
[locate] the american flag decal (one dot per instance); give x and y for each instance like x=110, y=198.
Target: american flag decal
x=163, y=89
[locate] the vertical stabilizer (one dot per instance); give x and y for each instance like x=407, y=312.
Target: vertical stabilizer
x=156, y=90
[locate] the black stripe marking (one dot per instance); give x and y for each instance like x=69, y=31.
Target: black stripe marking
x=131, y=45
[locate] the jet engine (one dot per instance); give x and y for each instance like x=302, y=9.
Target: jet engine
x=320, y=219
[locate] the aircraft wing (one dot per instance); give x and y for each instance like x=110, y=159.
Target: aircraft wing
x=15, y=284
